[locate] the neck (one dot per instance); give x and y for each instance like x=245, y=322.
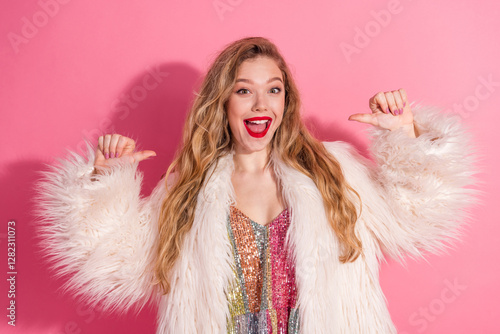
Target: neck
x=253, y=162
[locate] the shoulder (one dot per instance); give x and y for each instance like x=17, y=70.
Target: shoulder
x=340, y=149
x=359, y=172
x=348, y=156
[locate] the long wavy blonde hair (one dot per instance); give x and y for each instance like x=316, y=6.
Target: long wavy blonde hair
x=206, y=138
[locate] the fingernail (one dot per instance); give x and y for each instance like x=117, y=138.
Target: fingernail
x=112, y=155
x=404, y=104
x=387, y=110
x=401, y=111
x=107, y=155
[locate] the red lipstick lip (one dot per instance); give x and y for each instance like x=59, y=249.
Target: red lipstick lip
x=263, y=133
x=261, y=118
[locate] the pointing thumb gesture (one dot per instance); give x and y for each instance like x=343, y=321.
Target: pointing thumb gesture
x=116, y=149
x=390, y=110
x=364, y=118
x=143, y=155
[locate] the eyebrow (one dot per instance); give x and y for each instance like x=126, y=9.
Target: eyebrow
x=250, y=81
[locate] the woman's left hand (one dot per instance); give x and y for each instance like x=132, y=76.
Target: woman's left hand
x=391, y=111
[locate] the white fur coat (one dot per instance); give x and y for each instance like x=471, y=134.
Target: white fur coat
x=104, y=235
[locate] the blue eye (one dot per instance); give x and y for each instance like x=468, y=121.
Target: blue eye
x=275, y=90
x=243, y=91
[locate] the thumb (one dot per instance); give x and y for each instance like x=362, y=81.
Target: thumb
x=364, y=118
x=143, y=155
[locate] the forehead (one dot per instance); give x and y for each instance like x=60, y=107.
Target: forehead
x=259, y=67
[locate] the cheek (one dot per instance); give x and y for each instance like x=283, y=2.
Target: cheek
x=233, y=120
x=230, y=112
x=232, y=125
x=280, y=110
x=233, y=109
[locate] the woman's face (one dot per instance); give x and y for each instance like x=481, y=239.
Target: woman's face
x=256, y=104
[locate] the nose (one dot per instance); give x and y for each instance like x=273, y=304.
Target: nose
x=260, y=103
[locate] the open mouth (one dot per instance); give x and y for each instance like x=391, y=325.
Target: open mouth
x=257, y=126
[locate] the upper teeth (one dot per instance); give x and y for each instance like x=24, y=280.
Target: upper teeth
x=258, y=122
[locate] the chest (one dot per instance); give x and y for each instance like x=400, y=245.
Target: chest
x=258, y=196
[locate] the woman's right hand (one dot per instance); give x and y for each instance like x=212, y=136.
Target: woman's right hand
x=117, y=149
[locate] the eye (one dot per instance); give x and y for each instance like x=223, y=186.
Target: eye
x=275, y=90
x=243, y=91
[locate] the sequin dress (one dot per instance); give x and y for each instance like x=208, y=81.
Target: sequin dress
x=262, y=297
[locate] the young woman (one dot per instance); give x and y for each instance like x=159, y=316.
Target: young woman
x=259, y=227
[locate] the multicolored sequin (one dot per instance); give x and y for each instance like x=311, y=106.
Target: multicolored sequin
x=262, y=297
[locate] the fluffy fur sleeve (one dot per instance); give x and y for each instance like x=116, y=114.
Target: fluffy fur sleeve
x=415, y=197
x=100, y=235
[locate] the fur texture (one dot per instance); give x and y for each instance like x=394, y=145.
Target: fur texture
x=103, y=235
x=100, y=234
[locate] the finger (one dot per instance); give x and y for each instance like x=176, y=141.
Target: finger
x=143, y=155
x=392, y=102
x=112, y=145
x=107, y=140
x=379, y=102
x=121, y=145
x=404, y=97
x=126, y=145
x=99, y=156
x=399, y=101
x=100, y=143
x=364, y=118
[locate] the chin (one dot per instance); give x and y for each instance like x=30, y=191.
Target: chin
x=252, y=147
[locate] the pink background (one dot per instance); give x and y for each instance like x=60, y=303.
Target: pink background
x=71, y=69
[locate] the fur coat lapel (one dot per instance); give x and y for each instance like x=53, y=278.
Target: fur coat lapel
x=329, y=293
